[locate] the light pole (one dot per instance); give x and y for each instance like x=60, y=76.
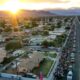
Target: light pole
x=0, y=69
x=16, y=68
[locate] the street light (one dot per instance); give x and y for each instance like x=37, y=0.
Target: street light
x=16, y=68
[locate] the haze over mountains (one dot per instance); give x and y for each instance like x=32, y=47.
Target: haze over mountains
x=72, y=11
x=28, y=13
x=46, y=12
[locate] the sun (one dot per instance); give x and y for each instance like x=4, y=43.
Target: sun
x=13, y=6
x=14, y=11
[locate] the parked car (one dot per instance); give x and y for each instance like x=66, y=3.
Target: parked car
x=69, y=75
x=70, y=67
x=72, y=60
x=30, y=75
x=72, y=55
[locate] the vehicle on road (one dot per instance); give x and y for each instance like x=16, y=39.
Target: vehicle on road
x=73, y=60
x=72, y=55
x=69, y=75
x=70, y=67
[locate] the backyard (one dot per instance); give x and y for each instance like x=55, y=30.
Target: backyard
x=43, y=67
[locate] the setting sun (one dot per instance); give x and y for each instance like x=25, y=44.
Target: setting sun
x=14, y=11
x=13, y=6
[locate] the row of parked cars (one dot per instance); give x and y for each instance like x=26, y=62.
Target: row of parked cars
x=70, y=71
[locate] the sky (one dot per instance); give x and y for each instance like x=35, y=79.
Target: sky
x=38, y=4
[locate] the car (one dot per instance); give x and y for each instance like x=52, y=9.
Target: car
x=72, y=60
x=72, y=55
x=69, y=75
x=30, y=75
x=70, y=67
x=38, y=50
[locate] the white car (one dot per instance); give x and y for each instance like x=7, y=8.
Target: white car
x=31, y=75
x=69, y=75
x=72, y=55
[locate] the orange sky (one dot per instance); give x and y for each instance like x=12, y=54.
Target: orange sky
x=37, y=4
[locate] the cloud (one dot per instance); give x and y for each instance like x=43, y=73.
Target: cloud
x=42, y=4
x=47, y=1
x=3, y=1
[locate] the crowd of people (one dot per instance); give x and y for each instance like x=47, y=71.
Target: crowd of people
x=62, y=68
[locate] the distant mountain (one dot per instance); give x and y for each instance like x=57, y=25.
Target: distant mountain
x=28, y=13
x=44, y=13
x=4, y=14
x=35, y=13
x=68, y=12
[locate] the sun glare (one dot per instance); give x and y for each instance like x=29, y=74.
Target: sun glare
x=13, y=6
x=14, y=11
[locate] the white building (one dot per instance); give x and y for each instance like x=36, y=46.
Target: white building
x=18, y=52
x=37, y=40
x=57, y=31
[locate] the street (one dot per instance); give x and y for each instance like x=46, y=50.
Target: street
x=74, y=47
x=76, y=73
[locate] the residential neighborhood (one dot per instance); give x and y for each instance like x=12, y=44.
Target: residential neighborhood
x=34, y=46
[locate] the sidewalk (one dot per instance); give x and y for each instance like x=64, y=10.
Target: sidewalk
x=51, y=76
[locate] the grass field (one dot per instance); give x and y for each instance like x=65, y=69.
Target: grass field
x=44, y=67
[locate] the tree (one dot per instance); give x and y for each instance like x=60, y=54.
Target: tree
x=8, y=29
x=45, y=32
x=13, y=45
x=34, y=33
x=2, y=24
x=7, y=60
x=16, y=30
x=27, y=25
x=34, y=24
x=59, y=24
x=52, y=27
x=60, y=39
x=66, y=19
x=45, y=43
x=47, y=27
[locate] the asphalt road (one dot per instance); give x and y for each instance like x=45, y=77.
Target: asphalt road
x=76, y=70
x=39, y=48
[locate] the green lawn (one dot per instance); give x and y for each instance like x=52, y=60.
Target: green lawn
x=51, y=54
x=7, y=60
x=44, y=67
x=46, y=53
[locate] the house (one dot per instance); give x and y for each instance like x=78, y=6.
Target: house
x=27, y=64
x=36, y=40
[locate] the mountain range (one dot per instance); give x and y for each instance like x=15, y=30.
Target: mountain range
x=67, y=12
x=44, y=13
